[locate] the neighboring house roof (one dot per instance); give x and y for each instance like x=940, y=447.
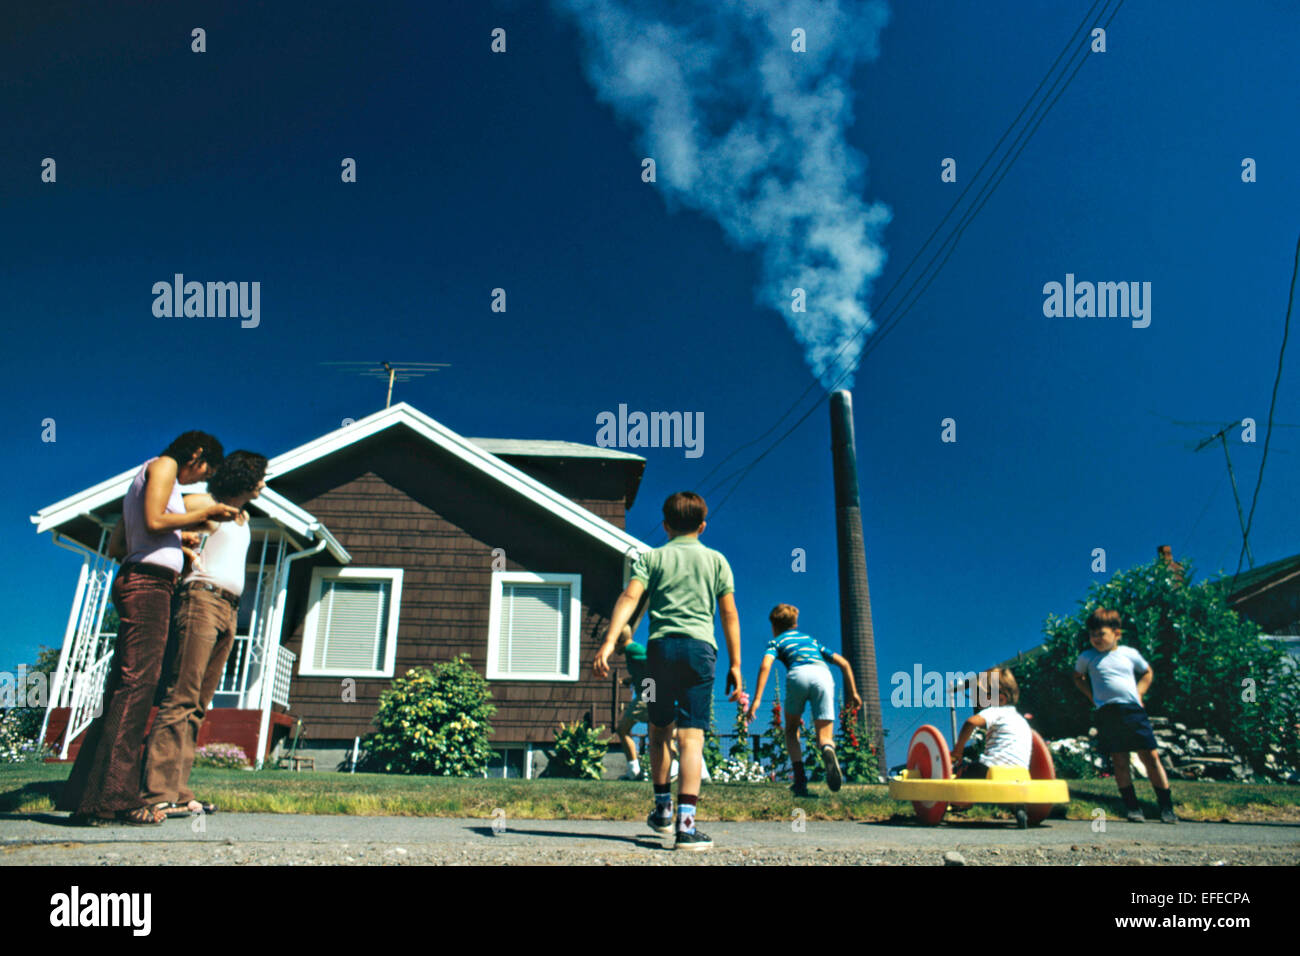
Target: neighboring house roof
x=475, y=454
x=110, y=492
x=1252, y=583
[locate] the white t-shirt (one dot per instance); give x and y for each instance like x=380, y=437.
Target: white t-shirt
x=222, y=563
x=1113, y=674
x=1008, y=741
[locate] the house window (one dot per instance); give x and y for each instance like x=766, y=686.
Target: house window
x=533, y=626
x=351, y=625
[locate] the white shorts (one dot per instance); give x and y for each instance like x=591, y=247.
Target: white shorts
x=810, y=684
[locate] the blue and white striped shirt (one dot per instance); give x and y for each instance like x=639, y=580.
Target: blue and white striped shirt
x=793, y=648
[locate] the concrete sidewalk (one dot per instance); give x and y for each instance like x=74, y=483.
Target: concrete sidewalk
x=256, y=838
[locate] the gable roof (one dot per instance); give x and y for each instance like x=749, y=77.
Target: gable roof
x=474, y=454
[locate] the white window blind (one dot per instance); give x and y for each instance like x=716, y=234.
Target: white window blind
x=534, y=628
x=351, y=625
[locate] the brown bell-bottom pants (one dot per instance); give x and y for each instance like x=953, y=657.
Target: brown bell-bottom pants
x=106, y=776
x=205, y=632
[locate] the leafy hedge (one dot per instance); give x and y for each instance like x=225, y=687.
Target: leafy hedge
x=1210, y=667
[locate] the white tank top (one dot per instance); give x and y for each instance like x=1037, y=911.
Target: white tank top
x=225, y=557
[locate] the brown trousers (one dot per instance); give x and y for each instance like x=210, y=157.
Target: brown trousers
x=106, y=775
x=204, y=627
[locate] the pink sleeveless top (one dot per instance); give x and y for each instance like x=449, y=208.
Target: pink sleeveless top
x=163, y=549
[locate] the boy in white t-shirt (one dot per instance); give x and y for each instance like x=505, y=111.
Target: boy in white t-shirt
x=1116, y=679
x=1008, y=741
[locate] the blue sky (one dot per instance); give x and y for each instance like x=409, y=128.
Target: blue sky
x=478, y=171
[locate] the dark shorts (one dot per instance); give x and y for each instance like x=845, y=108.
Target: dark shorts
x=1124, y=727
x=973, y=770
x=682, y=670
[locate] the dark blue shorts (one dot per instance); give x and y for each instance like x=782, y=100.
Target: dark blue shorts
x=682, y=669
x=1124, y=727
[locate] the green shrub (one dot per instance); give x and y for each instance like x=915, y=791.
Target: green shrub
x=1210, y=667
x=579, y=752
x=20, y=736
x=433, y=720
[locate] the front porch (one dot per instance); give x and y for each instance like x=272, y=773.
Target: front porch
x=258, y=672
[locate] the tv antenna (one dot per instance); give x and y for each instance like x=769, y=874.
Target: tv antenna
x=392, y=371
x=1221, y=437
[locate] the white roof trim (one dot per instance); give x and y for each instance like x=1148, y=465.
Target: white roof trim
x=464, y=449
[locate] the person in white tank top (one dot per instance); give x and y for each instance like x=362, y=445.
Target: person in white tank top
x=205, y=620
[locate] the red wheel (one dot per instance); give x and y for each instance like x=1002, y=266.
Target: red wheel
x=927, y=758
x=1041, y=767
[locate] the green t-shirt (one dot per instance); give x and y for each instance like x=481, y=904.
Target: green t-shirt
x=634, y=655
x=684, y=580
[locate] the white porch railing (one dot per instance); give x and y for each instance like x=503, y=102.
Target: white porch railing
x=284, y=659
x=87, y=700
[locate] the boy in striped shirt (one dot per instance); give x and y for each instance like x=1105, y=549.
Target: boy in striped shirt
x=808, y=680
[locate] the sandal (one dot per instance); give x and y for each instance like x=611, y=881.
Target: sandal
x=169, y=810
x=141, y=817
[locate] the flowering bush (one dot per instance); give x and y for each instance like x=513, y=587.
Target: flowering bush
x=19, y=742
x=433, y=720
x=579, y=752
x=1075, y=759
x=741, y=771
x=856, y=750
x=771, y=748
x=226, y=756
x=712, y=745
x=740, y=747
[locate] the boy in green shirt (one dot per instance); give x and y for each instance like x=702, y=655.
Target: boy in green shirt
x=634, y=655
x=683, y=580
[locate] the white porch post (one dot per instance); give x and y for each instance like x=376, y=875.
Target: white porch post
x=271, y=659
x=56, y=687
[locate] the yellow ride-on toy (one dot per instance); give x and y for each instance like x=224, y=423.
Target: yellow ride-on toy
x=928, y=782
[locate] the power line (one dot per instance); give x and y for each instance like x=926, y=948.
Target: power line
x=1277, y=381
x=1001, y=169
x=933, y=233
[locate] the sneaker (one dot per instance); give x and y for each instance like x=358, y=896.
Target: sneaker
x=1135, y=816
x=799, y=789
x=630, y=776
x=833, y=776
x=1168, y=816
x=699, y=840
x=662, y=821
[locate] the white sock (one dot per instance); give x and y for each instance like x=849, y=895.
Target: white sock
x=634, y=767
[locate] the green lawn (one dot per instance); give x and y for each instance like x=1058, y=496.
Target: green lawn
x=33, y=787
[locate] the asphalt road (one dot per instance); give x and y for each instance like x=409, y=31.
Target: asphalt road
x=257, y=838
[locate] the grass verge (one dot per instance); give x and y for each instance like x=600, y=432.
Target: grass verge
x=28, y=788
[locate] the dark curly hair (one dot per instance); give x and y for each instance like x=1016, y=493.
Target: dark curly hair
x=238, y=474
x=183, y=446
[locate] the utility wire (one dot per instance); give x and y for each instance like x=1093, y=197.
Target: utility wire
x=1001, y=169
x=1277, y=381
x=1069, y=44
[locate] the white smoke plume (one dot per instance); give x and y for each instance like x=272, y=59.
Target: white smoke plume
x=751, y=133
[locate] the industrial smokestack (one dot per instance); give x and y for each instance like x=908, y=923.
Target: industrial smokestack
x=856, y=636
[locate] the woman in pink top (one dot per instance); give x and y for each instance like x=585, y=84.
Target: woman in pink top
x=105, y=781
